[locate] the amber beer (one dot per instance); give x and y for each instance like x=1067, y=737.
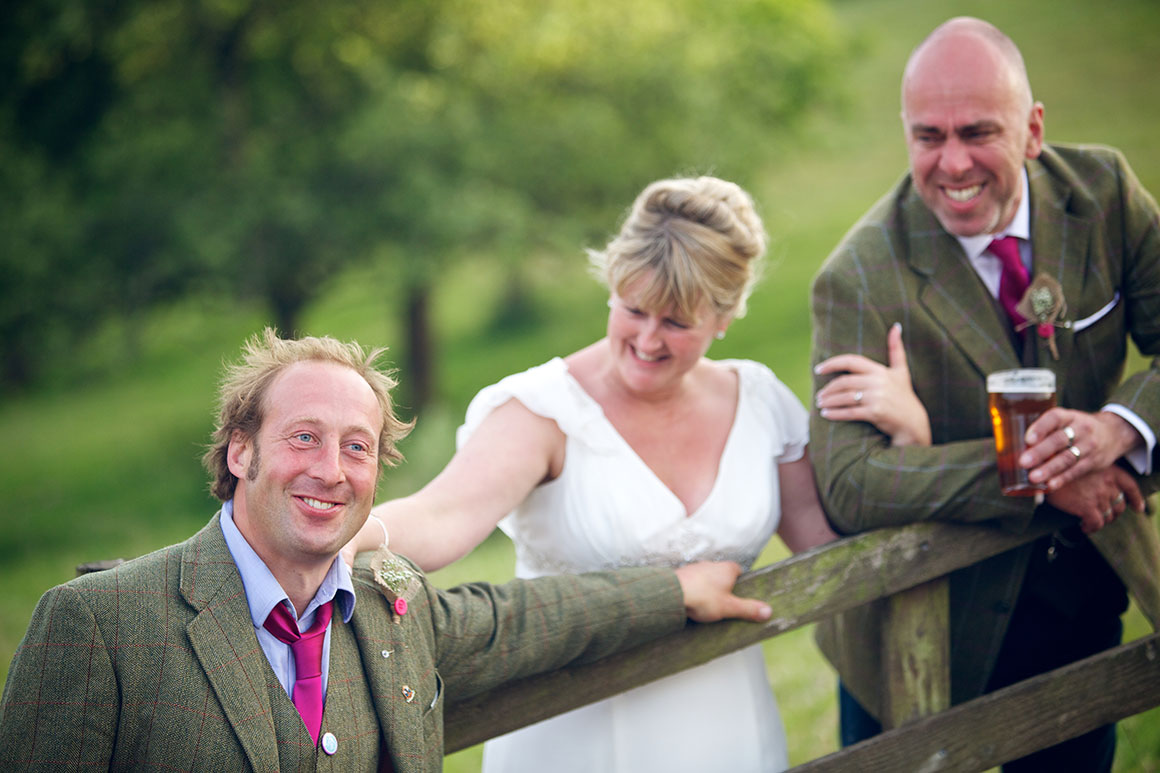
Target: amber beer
x=1016, y=399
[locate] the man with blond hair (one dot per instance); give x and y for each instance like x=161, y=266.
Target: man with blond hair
x=250, y=646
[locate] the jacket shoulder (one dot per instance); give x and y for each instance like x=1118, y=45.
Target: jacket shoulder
x=879, y=235
x=140, y=572
x=1083, y=159
x=1081, y=177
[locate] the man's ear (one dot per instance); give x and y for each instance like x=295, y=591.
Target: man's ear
x=239, y=454
x=1035, y=131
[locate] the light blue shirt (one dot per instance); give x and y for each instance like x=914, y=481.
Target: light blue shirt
x=263, y=592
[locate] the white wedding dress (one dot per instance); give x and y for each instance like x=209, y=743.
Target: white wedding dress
x=606, y=510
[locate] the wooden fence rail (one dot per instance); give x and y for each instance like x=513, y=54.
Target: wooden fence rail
x=1017, y=720
x=909, y=566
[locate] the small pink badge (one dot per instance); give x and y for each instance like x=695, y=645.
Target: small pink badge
x=400, y=606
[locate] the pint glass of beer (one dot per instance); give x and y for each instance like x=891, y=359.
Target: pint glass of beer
x=1016, y=399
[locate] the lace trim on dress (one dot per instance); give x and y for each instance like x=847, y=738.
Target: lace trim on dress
x=689, y=549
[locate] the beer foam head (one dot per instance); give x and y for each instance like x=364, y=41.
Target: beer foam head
x=1024, y=380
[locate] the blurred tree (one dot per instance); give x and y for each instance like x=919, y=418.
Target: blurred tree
x=256, y=147
x=529, y=124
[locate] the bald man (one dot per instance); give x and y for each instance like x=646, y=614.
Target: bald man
x=913, y=297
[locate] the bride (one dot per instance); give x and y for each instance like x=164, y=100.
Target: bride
x=635, y=450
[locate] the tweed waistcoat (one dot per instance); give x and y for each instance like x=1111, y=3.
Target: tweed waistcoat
x=349, y=715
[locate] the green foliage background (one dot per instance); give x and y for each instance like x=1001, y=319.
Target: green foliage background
x=102, y=460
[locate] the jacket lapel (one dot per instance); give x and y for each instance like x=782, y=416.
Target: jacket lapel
x=1061, y=249
x=954, y=295
x=386, y=653
x=957, y=298
x=223, y=640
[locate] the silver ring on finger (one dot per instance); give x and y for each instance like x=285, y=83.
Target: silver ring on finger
x=1119, y=500
x=1069, y=433
x=1075, y=452
x=858, y=397
x=1108, y=513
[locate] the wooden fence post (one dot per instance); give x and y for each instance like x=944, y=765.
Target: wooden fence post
x=99, y=566
x=916, y=653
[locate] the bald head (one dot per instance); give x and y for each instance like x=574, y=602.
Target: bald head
x=970, y=125
x=965, y=42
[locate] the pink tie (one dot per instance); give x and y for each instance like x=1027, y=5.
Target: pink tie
x=307, y=649
x=1013, y=281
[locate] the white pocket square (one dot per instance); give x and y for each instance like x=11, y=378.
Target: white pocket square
x=1088, y=321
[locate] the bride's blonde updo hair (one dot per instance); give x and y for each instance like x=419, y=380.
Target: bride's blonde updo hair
x=689, y=239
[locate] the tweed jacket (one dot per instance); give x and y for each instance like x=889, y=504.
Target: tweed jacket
x=155, y=664
x=1095, y=230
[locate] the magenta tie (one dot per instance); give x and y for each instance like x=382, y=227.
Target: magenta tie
x=1013, y=281
x=307, y=649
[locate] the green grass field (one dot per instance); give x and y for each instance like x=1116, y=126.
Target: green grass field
x=105, y=462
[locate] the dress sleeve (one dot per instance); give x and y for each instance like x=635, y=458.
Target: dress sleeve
x=546, y=390
x=789, y=418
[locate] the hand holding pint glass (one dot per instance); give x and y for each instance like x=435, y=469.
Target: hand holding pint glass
x=1016, y=399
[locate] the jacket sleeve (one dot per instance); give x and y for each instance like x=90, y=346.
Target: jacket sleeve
x=1140, y=391
x=61, y=703
x=489, y=634
x=864, y=482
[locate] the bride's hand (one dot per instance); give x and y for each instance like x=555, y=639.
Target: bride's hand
x=879, y=394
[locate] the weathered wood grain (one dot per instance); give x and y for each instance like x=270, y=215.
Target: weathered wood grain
x=802, y=589
x=917, y=653
x=1015, y=721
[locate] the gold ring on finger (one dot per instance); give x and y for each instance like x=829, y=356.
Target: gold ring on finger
x=1069, y=433
x=1075, y=452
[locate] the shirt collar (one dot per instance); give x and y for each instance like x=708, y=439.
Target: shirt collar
x=263, y=591
x=1020, y=226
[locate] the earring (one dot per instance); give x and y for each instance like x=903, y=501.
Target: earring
x=610, y=303
x=720, y=335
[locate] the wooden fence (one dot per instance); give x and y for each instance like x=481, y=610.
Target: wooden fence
x=909, y=567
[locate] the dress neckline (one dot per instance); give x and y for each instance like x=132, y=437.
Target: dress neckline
x=729, y=440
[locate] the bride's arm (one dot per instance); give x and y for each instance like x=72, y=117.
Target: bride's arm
x=803, y=522
x=865, y=391
x=879, y=394
x=511, y=453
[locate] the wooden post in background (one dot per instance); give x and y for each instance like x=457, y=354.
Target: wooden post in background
x=916, y=653
x=98, y=566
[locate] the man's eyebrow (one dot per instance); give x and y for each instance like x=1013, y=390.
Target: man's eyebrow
x=985, y=124
x=314, y=421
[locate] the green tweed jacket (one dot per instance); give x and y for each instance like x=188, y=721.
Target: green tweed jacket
x=155, y=664
x=1096, y=231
